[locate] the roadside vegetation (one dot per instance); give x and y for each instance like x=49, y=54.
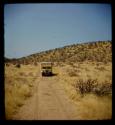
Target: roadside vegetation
x=19, y=86
x=89, y=88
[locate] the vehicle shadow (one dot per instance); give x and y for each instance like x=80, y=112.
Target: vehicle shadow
x=51, y=75
x=54, y=74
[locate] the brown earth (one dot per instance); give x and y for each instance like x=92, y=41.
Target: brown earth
x=49, y=102
x=28, y=96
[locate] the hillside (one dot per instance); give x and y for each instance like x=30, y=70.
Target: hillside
x=95, y=51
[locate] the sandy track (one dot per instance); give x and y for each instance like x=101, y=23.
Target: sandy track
x=49, y=102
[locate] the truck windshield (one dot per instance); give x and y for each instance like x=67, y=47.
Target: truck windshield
x=46, y=67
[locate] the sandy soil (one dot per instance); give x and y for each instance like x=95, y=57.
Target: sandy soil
x=49, y=102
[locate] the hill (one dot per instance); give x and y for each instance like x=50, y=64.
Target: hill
x=99, y=51
x=82, y=71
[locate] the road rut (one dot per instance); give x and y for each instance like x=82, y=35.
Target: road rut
x=49, y=102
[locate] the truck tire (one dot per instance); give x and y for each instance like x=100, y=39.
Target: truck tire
x=42, y=74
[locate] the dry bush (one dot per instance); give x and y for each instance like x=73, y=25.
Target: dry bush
x=30, y=74
x=25, y=91
x=73, y=73
x=85, y=86
x=92, y=86
x=71, y=63
x=18, y=66
x=22, y=74
x=87, y=69
x=62, y=64
x=101, y=68
x=7, y=64
x=103, y=89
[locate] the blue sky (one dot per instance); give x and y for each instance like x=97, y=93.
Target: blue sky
x=31, y=28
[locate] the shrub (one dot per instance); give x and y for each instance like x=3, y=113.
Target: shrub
x=103, y=89
x=7, y=64
x=24, y=91
x=92, y=86
x=22, y=74
x=73, y=72
x=85, y=86
x=101, y=68
x=18, y=66
x=30, y=74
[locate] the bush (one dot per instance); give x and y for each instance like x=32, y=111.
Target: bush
x=18, y=66
x=73, y=72
x=101, y=68
x=85, y=86
x=92, y=86
x=7, y=64
x=103, y=89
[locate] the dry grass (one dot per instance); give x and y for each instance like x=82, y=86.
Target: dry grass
x=92, y=107
x=91, y=91
x=19, y=83
x=95, y=78
x=73, y=73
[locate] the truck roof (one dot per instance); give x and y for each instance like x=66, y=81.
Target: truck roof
x=46, y=62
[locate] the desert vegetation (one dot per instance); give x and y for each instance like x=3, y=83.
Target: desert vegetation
x=84, y=72
x=19, y=86
x=92, y=86
x=99, y=51
x=90, y=90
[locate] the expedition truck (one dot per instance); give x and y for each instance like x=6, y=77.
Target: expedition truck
x=46, y=68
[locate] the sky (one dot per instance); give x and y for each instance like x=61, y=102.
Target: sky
x=32, y=28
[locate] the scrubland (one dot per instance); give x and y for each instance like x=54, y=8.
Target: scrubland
x=84, y=71
x=19, y=86
x=89, y=86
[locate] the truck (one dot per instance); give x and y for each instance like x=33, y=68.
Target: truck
x=46, y=68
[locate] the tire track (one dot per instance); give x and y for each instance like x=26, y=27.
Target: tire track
x=58, y=100
x=49, y=102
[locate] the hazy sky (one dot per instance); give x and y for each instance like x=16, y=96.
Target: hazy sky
x=31, y=28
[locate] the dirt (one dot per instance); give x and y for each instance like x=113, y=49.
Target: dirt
x=49, y=102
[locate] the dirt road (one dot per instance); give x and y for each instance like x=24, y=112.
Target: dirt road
x=49, y=102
